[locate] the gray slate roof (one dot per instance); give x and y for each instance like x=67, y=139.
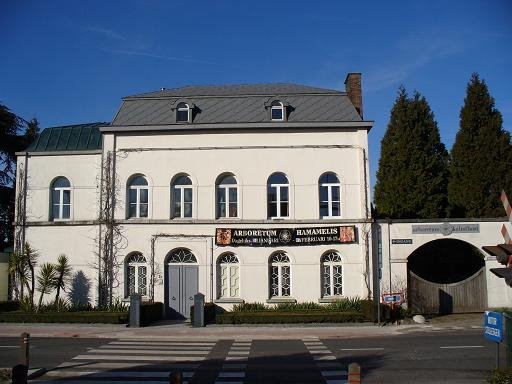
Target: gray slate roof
x=237, y=104
x=78, y=137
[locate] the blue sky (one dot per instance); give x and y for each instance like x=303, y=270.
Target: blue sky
x=68, y=62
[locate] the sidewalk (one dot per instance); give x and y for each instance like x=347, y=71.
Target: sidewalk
x=181, y=330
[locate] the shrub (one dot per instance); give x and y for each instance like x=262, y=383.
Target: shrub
x=151, y=312
x=65, y=317
x=274, y=317
x=250, y=307
x=7, y=306
x=500, y=376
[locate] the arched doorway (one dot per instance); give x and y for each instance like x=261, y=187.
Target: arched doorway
x=446, y=276
x=181, y=282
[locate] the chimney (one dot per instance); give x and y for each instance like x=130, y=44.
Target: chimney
x=353, y=89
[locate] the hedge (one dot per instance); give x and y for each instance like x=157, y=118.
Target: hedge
x=209, y=313
x=151, y=312
x=8, y=306
x=274, y=317
x=65, y=317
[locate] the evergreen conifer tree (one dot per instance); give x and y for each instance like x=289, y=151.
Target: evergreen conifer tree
x=481, y=157
x=412, y=174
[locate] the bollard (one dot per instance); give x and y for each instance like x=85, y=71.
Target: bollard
x=19, y=374
x=354, y=373
x=175, y=377
x=135, y=300
x=24, y=349
x=198, y=310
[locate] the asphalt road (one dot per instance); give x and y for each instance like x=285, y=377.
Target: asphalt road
x=428, y=357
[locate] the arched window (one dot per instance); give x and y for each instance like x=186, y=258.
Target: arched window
x=181, y=191
x=278, y=196
x=280, y=281
x=228, y=275
x=183, y=113
x=330, y=197
x=61, y=199
x=182, y=256
x=138, y=196
x=227, y=197
x=136, y=274
x=277, y=111
x=332, y=274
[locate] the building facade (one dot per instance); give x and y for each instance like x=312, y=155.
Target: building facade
x=255, y=193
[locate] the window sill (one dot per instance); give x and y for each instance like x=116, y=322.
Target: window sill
x=331, y=299
x=229, y=300
x=277, y=300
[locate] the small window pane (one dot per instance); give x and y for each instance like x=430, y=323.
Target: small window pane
x=66, y=194
x=188, y=210
x=272, y=194
x=183, y=180
x=139, y=180
x=284, y=209
x=336, y=209
x=55, y=212
x=182, y=116
x=324, y=210
x=177, y=209
x=335, y=191
x=233, y=210
x=65, y=212
x=277, y=178
x=55, y=197
x=187, y=195
x=143, y=210
x=277, y=113
x=329, y=177
x=61, y=182
x=177, y=195
x=284, y=193
x=221, y=195
x=222, y=210
x=133, y=210
x=323, y=194
x=133, y=195
x=143, y=195
x=272, y=209
x=227, y=180
x=232, y=194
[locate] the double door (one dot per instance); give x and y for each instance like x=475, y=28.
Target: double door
x=182, y=286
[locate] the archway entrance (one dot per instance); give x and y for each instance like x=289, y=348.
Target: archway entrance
x=181, y=282
x=446, y=276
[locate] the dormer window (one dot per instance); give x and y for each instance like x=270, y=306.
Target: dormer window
x=277, y=111
x=183, y=113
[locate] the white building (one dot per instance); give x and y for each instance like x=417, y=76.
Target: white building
x=255, y=192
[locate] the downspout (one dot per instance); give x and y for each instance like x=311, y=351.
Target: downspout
x=24, y=211
x=112, y=216
x=100, y=225
x=211, y=270
x=389, y=254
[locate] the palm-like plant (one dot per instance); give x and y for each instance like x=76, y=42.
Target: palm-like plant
x=45, y=281
x=63, y=271
x=22, y=269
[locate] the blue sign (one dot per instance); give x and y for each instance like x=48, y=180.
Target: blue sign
x=493, y=326
x=392, y=298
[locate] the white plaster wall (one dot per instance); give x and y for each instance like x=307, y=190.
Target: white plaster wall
x=394, y=256
x=252, y=165
x=80, y=170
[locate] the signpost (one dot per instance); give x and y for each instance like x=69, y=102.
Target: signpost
x=392, y=298
x=493, y=331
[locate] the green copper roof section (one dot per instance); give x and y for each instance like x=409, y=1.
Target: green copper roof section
x=79, y=137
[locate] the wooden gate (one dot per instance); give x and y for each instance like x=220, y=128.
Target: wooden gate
x=469, y=295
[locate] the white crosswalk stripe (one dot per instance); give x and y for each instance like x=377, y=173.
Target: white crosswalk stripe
x=131, y=361
x=325, y=361
x=233, y=370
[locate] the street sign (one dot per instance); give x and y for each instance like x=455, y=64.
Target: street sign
x=392, y=298
x=493, y=326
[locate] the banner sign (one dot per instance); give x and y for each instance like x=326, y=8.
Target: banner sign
x=236, y=237
x=445, y=229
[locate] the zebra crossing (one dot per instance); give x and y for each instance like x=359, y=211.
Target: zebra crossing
x=130, y=361
x=325, y=360
x=216, y=362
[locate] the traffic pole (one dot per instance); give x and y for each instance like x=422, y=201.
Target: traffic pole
x=354, y=373
x=24, y=349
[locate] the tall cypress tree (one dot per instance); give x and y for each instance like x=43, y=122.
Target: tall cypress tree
x=412, y=174
x=481, y=157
